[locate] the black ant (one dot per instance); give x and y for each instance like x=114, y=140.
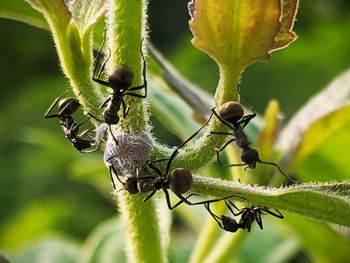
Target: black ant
x=231, y=114
x=67, y=107
x=178, y=180
x=119, y=81
x=248, y=216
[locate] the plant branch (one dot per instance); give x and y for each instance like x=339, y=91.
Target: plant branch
x=329, y=202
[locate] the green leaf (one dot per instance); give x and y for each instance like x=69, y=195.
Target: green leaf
x=170, y=110
x=329, y=202
x=51, y=10
x=53, y=250
x=21, y=11
x=87, y=13
x=321, y=130
x=324, y=243
x=269, y=132
x=285, y=35
x=238, y=33
x=104, y=244
x=200, y=101
x=324, y=111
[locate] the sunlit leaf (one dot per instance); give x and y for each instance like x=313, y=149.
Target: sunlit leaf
x=21, y=11
x=321, y=130
x=269, y=132
x=53, y=250
x=86, y=13
x=52, y=10
x=318, y=238
x=325, y=107
x=171, y=111
x=104, y=244
x=285, y=35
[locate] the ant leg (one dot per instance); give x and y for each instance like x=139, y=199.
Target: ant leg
x=144, y=85
x=91, y=151
x=125, y=109
x=47, y=116
x=111, y=132
x=103, y=105
x=95, y=118
x=176, y=151
x=238, y=164
x=246, y=99
x=246, y=119
x=184, y=199
x=155, y=168
x=216, y=218
x=221, y=119
x=77, y=126
x=111, y=168
x=97, y=79
x=152, y=194
x=257, y=216
x=134, y=94
x=221, y=149
x=279, y=168
x=231, y=210
x=220, y=133
x=278, y=214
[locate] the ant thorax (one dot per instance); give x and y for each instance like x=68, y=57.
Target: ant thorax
x=241, y=139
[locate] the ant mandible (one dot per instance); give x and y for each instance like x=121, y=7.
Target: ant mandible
x=248, y=216
x=67, y=107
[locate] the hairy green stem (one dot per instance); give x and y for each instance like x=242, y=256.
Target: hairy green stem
x=200, y=152
x=125, y=27
x=327, y=202
x=126, y=22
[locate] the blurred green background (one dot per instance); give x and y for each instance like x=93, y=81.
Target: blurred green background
x=48, y=188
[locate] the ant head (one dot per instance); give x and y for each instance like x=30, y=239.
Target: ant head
x=250, y=157
x=68, y=106
x=131, y=184
x=180, y=180
x=121, y=78
x=231, y=111
x=229, y=224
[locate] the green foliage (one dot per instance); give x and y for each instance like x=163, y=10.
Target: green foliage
x=306, y=148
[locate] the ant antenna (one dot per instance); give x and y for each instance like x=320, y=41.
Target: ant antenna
x=244, y=97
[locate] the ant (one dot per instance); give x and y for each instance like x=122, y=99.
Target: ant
x=178, y=180
x=119, y=81
x=248, y=216
x=232, y=115
x=67, y=107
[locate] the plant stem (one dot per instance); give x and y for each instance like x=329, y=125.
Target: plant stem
x=125, y=26
x=126, y=22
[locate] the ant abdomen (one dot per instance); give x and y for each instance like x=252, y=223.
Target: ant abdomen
x=68, y=106
x=229, y=224
x=180, y=180
x=121, y=78
x=231, y=111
